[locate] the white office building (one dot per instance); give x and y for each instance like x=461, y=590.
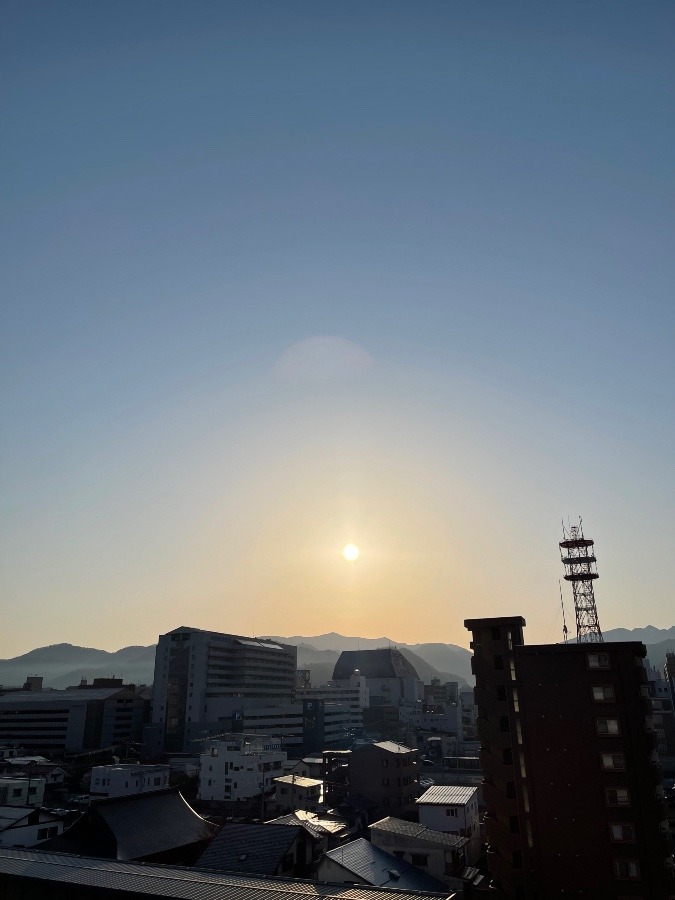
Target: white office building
x=123, y=780
x=240, y=767
x=352, y=693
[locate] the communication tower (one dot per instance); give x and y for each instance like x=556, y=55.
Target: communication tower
x=578, y=555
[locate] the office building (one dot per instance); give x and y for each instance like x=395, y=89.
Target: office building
x=203, y=676
x=240, y=767
x=574, y=804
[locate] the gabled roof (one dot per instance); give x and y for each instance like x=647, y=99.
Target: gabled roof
x=442, y=794
x=135, y=827
x=248, y=849
x=420, y=833
x=376, y=867
x=299, y=781
x=317, y=824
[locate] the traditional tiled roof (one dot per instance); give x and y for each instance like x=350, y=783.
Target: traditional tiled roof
x=248, y=848
x=392, y=825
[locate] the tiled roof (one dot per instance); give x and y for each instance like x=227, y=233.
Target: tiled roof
x=248, y=849
x=315, y=823
x=134, y=827
x=392, y=825
x=179, y=883
x=381, y=869
x=442, y=794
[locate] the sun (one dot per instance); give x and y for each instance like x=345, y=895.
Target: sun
x=351, y=552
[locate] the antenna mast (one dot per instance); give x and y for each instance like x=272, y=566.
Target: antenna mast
x=580, y=569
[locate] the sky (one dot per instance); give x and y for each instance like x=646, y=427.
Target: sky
x=280, y=277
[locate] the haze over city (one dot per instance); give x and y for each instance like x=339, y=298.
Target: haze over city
x=286, y=278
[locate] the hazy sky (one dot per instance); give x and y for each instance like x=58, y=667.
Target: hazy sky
x=280, y=276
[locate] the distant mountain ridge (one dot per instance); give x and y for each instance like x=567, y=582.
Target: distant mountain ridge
x=65, y=664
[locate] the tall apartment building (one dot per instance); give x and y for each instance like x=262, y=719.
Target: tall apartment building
x=574, y=804
x=201, y=677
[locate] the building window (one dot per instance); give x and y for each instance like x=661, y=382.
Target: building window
x=609, y=727
x=613, y=761
x=498, y=662
x=419, y=859
x=501, y=692
x=385, y=763
x=503, y=723
x=451, y=811
x=598, y=660
x=385, y=782
x=626, y=868
x=624, y=833
x=496, y=634
x=617, y=797
x=603, y=693
x=507, y=756
x=514, y=825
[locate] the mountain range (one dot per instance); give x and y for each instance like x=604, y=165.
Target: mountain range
x=62, y=665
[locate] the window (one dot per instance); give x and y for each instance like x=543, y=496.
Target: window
x=385, y=763
x=613, y=761
x=496, y=634
x=598, y=660
x=626, y=868
x=385, y=801
x=617, y=797
x=501, y=692
x=503, y=723
x=609, y=727
x=514, y=825
x=507, y=756
x=511, y=790
x=451, y=811
x=498, y=662
x=624, y=833
x=419, y=859
x=603, y=693
x=16, y=792
x=385, y=782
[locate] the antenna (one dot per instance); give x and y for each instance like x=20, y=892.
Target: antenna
x=562, y=606
x=580, y=570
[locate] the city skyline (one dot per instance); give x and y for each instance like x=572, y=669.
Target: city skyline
x=283, y=279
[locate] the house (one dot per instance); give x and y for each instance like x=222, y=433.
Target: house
x=159, y=827
x=15, y=790
x=453, y=809
x=24, y=826
x=53, y=775
x=438, y=853
x=254, y=849
x=297, y=792
x=240, y=767
x=361, y=862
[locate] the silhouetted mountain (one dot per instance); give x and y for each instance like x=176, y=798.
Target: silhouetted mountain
x=648, y=635
x=62, y=665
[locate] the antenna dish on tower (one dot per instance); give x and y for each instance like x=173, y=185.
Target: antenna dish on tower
x=578, y=556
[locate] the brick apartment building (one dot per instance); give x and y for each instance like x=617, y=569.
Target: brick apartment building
x=571, y=779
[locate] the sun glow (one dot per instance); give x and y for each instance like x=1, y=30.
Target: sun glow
x=351, y=552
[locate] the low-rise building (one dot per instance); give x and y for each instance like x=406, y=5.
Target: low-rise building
x=125, y=779
x=15, y=790
x=296, y=792
x=387, y=774
x=240, y=767
x=453, y=809
x=24, y=826
x=360, y=862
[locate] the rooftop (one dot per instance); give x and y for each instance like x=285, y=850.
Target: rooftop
x=61, y=696
x=443, y=794
x=413, y=829
x=249, y=849
x=299, y=780
x=381, y=869
x=180, y=883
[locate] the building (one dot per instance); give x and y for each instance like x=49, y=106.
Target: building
x=16, y=790
x=352, y=693
x=574, y=803
x=240, y=767
x=385, y=774
x=441, y=855
x=124, y=779
x=25, y=826
x=360, y=862
x=454, y=809
x=390, y=678
x=203, y=677
x=58, y=722
x=296, y=792
x=159, y=827
x=253, y=849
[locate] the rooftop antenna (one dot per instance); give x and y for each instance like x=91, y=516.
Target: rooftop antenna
x=562, y=605
x=580, y=569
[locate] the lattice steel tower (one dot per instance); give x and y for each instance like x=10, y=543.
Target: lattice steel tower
x=580, y=569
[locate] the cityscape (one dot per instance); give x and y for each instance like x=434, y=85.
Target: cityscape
x=337, y=379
